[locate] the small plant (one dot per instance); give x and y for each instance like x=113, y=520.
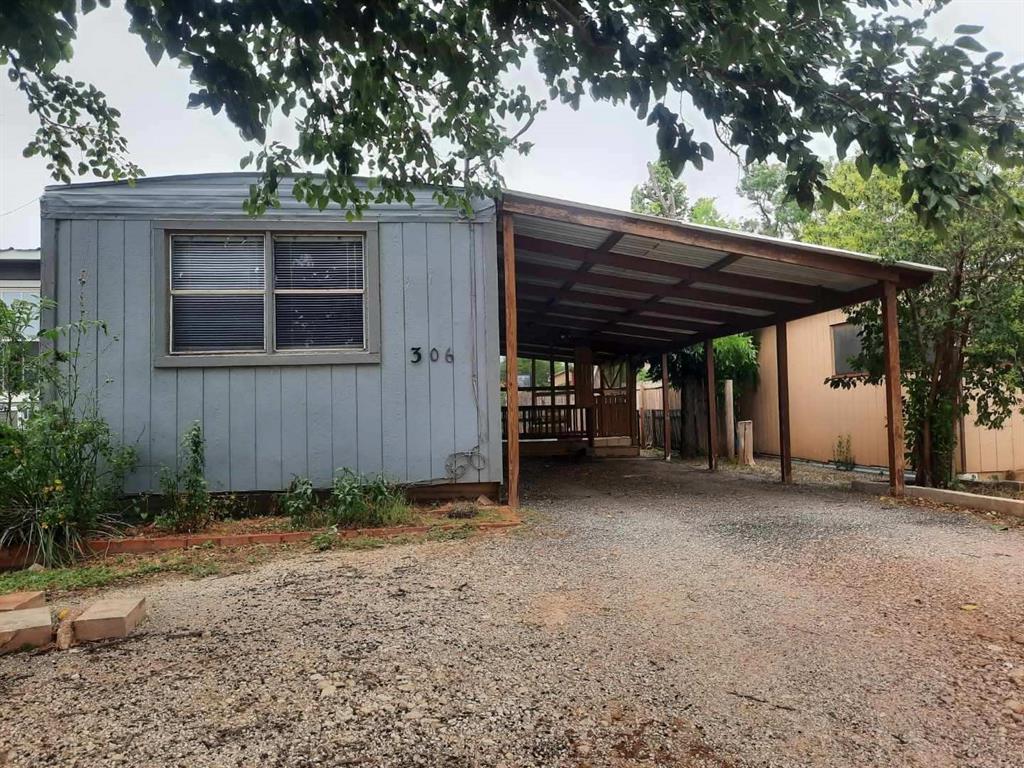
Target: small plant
x=186, y=498
x=358, y=501
x=299, y=502
x=842, y=454
x=324, y=541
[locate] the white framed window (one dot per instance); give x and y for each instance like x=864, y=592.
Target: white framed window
x=276, y=295
x=21, y=290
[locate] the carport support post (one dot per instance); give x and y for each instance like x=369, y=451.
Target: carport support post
x=666, y=418
x=712, y=399
x=893, y=391
x=782, y=366
x=511, y=359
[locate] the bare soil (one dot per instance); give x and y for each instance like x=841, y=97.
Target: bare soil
x=651, y=614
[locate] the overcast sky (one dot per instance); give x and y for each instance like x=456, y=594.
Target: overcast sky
x=595, y=155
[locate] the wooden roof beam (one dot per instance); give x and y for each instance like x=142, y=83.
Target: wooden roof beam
x=665, y=290
x=710, y=275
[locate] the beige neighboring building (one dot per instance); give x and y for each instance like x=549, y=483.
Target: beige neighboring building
x=818, y=348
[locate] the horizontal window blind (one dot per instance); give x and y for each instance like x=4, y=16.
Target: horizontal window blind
x=319, y=322
x=218, y=287
x=218, y=323
x=217, y=262
x=318, y=292
x=318, y=262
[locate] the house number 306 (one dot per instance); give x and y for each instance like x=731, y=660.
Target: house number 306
x=434, y=354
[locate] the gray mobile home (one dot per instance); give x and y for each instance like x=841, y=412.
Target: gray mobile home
x=302, y=342
x=305, y=343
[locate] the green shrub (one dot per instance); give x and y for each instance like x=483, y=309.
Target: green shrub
x=324, y=541
x=186, y=498
x=367, y=502
x=299, y=503
x=61, y=468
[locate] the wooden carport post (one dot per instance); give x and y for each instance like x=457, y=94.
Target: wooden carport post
x=712, y=402
x=782, y=365
x=666, y=418
x=893, y=391
x=511, y=360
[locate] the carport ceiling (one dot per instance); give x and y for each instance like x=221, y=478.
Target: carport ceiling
x=624, y=283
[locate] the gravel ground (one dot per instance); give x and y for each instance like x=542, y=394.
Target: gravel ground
x=649, y=614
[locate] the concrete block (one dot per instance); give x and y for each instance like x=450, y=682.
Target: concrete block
x=998, y=504
x=19, y=601
x=31, y=627
x=110, y=618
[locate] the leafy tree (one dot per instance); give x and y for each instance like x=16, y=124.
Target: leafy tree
x=735, y=356
x=705, y=211
x=765, y=186
x=962, y=335
x=425, y=93
x=661, y=195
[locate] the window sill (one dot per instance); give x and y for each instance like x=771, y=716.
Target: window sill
x=248, y=359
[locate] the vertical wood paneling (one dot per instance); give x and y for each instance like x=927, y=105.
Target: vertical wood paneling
x=242, y=427
x=442, y=380
x=217, y=427
x=163, y=421
x=263, y=425
x=343, y=414
x=487, y=251
x=293, y=423
x=417, y=334
x=110, y=306
x=319, y=443
x=394, y=351
x=190, y=401
x=464, y=338
x=268, y=430
x=83, y=301
x=368, y=420
x=138, y=306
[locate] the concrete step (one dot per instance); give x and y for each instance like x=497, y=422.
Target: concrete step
x=19, y=601
x=28, y=628
x=110, y=618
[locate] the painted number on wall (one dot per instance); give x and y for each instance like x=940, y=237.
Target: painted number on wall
x=434, y=355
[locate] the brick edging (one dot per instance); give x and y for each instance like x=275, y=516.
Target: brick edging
x=140, y=545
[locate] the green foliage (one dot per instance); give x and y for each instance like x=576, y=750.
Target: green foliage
x=61, y=468
x=766, y=186
x=661, y=195
x=324, y=541
x=367, y=502
x=18, y=352
x=735, y=358
x=426, y=93
x=186, y=499
x=961, y=335
x=842, y=454
x=300, y=503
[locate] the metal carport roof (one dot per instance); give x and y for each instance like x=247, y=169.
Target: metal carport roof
x=626, y=283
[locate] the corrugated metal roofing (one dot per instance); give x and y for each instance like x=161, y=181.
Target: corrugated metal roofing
x=747, y=282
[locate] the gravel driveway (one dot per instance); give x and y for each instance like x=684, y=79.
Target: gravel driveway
x=649, y=614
